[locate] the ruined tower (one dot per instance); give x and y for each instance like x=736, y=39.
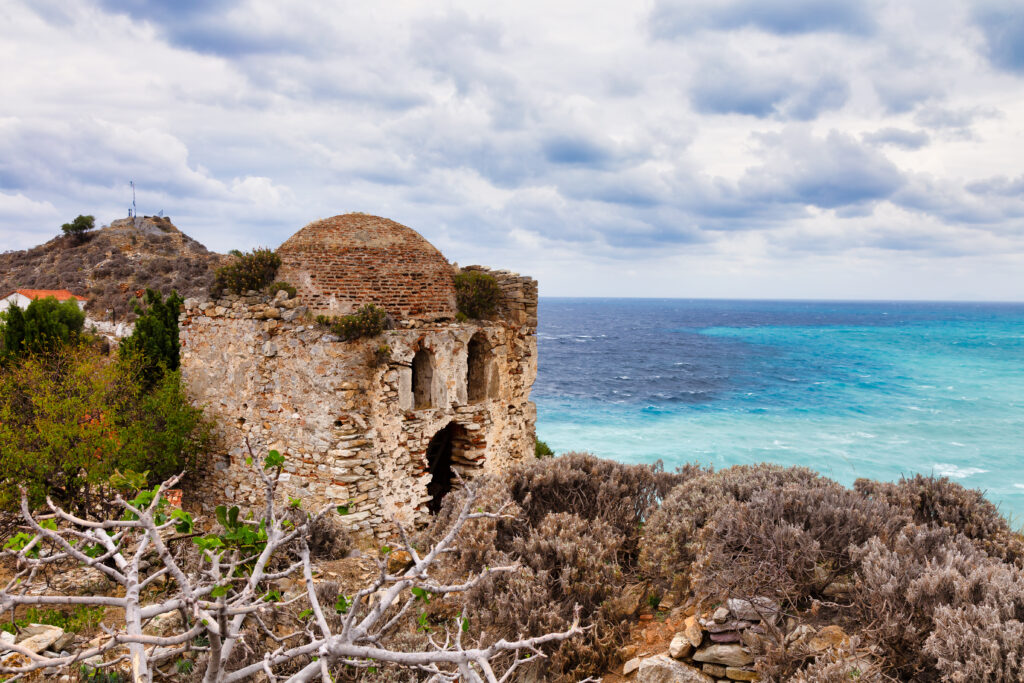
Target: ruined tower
x=381, y=424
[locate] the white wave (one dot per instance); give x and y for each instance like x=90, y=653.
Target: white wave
x=955, y=471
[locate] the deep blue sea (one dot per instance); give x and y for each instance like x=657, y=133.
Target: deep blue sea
x=852, y=390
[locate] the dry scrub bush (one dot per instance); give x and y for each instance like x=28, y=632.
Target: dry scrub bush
x=937, y=500
x=573, y=523
x=926, y=572
x=671, y=534
x=788, y=544
x=840, y=666
x=592, y=488
x=977, y=644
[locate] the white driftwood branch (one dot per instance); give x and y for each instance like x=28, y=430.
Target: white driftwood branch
x=128, y=545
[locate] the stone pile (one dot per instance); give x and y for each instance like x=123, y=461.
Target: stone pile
x=711, y=647
x=717, y=646
x=51, y=641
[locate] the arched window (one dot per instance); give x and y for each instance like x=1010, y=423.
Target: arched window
x=422, y=379
x=478, y=369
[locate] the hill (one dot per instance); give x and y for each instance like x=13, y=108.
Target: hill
x=111, y=264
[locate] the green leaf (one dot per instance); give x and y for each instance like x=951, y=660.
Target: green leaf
x=343, y=509
x=274, y=459
x=209, y=542
x=420, y=594
x=272, y=596
x=219, y=591
x=465, y=624
x=184, y=524
x=424, y=625
x=295, y=503
x=385, y=549
x=248, y=461
x=305, y=614
x=50, y=524
x=233, y=517
x=342, y=605
x=222, y=515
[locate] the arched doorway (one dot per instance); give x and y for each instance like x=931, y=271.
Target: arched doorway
x=422, y=379
x=478, y=369
x=442, y=450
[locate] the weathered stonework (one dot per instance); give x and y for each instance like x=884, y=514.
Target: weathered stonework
x=354, y=430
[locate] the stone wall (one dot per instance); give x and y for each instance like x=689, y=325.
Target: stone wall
x=518, y=303
x=348, y=426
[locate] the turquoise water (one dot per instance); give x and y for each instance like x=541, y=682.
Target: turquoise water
x=875, y=390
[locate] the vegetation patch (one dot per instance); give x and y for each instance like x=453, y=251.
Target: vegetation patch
x=368, y=321
x=477, y=294
x=44, y=325
x=280, y=286
x=250, y=271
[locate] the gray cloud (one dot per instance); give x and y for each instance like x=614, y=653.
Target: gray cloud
x=672, y=18
x=830, y=172
x=898, y=137
x=734, y=87
x=1002, y=24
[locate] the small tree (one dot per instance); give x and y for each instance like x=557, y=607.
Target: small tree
x=77, y=228
x=154, y=342
x=43, y=326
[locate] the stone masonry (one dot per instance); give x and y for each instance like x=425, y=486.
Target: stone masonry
x=379, y=424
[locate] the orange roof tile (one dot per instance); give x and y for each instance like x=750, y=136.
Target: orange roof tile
x=58, y=294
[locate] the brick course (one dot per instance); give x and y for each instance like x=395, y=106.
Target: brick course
x=341, y=263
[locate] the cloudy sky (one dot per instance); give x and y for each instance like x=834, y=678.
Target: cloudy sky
x=695, y=148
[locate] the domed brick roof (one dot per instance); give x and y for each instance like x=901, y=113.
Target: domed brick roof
x=340, y=263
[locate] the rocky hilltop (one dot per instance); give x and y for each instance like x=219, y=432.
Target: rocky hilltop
x=111, y=264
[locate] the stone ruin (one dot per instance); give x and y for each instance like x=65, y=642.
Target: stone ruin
x=382, y=425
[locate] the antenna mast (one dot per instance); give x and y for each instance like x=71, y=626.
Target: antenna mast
x=134, y=211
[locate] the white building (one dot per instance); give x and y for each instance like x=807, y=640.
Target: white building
x=22, y=297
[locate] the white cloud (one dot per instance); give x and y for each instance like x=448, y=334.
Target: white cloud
x=743, y=144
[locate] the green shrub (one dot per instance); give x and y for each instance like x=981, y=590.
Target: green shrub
x=541, y=449
x=154, y=342
x=77, y=228
x=476, y=294
x=70, y=418
x=280, y=285
x=44, y=325
x=368, y=321
x=254, y=270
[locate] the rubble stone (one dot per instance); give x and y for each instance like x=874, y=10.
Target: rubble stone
x=729, y=655
x=662, y=669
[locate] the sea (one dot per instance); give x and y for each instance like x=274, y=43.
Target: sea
x=881, y=390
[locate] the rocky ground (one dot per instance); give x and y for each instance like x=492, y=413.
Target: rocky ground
x=684, y=645
x=111, y=264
